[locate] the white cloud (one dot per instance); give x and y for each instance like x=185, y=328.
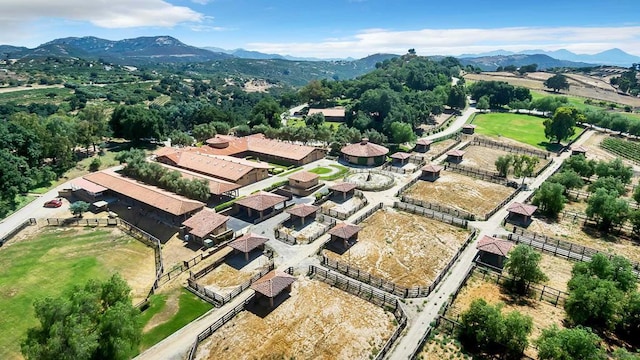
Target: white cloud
x=459, y=41
x=207, y=28
x=202, y=2
x=102, y=13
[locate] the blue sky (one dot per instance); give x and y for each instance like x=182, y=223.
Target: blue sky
x=335, y=28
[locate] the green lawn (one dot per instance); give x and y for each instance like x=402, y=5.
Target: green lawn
x=51, y=263
x=578, y=103
x=342, y=171
x=21, y=201
x=332, y=125
x=190, y=307
x=320, y=170
x=524, y=128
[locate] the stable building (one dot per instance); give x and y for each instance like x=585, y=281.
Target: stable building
x=364, y=153
x=400, y=158
x=343, y=190
x=423, y=145
x=247, y=243
x=345, y=232
x=493, y=251
x=431, y=172
x=88, y=191
x=303, y=183
x=302, y=212
x=521, y=214
x=578, y=150
x=260, y=204
x=468, y=129
x=272, y=284
x=335, y=114
x=205, y=227
x=455, y=156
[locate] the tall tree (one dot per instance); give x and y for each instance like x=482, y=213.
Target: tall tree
x=457, y=98
x=550, y=198
x=561, y=126
x=503, y=164
x=557, y=82
x=607, y=208
x=524, y=267
x=569, y=344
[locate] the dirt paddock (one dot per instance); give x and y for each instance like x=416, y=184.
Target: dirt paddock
x=484, y=158
x=317, y=321
x=406, y=249
x=461, y=192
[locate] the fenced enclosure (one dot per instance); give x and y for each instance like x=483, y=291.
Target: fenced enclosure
x=407, y=185
x=439, y=208
x=458, y=141
x=345, y=215
x=510, y=148
x=288, y=238
x=502, y=204
x=432, y=214
x=369, y=212
x=490, y=176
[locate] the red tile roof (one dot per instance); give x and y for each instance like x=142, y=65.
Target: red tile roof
x=456, y=153
x=401, y=155
x=343, y=187
x=227, y=168
x=216, y=186
x=261, y=201
x=204, y=222
x=248, y=242
x=302, y=210
x=150, y=195
x=424, y=142
x=258, y=144
x=522, y=209
x=345, y=230
x=88, y=186
x=273, y=283
x=432, y=168
x=333, y=112
x=494, y=246
x=217, y=141
x=364, y=149
x=578, y=148
x=303, y=176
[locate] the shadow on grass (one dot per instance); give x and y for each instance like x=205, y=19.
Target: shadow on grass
x=552, y=147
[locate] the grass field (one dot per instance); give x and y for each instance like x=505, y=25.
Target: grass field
x=523, y=128
x=36, y=96
x=167, y=313
x=53, y=262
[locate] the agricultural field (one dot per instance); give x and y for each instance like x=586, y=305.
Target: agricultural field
x=484, y=158
x=26, y=96
x=461, y=192
x=56, y=259
x=623, y=148
x=317, y=321
x=406, y=249
x=526, y=129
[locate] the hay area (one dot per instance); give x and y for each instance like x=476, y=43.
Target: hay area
x=484, y=158
x=233, y=273
x=406, y=249
x=317, y=322
x=566, y=229
x=557, y=269
x=461, y=192
x=544, y=314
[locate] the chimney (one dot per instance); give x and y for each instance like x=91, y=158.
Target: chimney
x=364, y=141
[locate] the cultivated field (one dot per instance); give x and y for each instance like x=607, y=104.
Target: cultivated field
x=484, y=158
x=317, y=322
x=461, y=192
x=406, y=249
x=56, y=259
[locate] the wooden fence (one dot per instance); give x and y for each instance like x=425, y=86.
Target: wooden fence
x=447, y=149
x=16, y=230
x=369, y=212
x=510, y=148
x=345, y=215
x=439, y=208
x=490, y=176
x=502, y=204
x=432, y=214
x=407, y=185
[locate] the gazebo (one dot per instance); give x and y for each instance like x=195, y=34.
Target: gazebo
x=303, y=211
x=400, y=157
x=205, y=223
x=345, y=232
x=345, y=188
x=578, y=150
x=272, y=284
x=493, y=251
x=431, y=172
x=423, y=145
x=521, y=213
x=247, y=243
x=262, y=202
x=468, y=129
x=364, y=153
x=303, y=183
x=455, y=156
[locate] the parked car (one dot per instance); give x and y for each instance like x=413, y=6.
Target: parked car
x=55, y=203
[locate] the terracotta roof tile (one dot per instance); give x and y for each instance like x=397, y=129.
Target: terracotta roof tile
x=216, y=186
x=261, y=201
x=204, y=222
x=364, y=149
x=522, y=209
x=247, y=242
x=578, y=148
x=231, y=169
x=468, y=126
x=81, y=183
x=345, y=230
x=401, y=155
x=456, y=153
x=334, y=112
x=302, y=210
x=432, y=168
x=258, y=144
x=303, y=176
x=343, y=187
x=273, y=283
x=424, y=142
x=494, y=246
x=150, y=195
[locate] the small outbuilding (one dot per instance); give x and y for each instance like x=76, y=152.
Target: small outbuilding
x=400, y=158
x=345, y=232
x=521, y=213
x=303, y=183
x=87, y=191
x=365, y=153
x=455, y=156
x=302, y=212
x=335, y=114
x=272, y=284
x=204, y=224
x=578, y=150
x=263, y=203
x=493, y=251
x=468, y=129
x=423, y=145
x=247, y=243
x=431, y=172
x=344, y=190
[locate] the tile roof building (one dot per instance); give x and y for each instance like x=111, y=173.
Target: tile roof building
x=520, y=214
x=493, y=251
x=345, y=232
x=205, y=223
x=303, y=211
x=264, y=203
x=272, y=284
x=331, y=114
x=303, y=183
x=365, y=153
x=247, y=243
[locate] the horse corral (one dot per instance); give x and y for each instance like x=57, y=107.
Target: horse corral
x=484, y=158
x=406, y=249
x=317, y=321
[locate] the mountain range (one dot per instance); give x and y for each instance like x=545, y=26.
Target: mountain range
x=609, y=57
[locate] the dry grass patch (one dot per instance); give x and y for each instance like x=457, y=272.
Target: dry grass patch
x=574, y=232
x=557, y=269
x=438, y=147
x=406, y=249
x=316, y=322
x=484, y=158
x=443, y=346
x=462, y=192
x=229, y=275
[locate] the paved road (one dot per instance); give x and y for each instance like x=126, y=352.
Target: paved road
x=456, y=125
